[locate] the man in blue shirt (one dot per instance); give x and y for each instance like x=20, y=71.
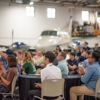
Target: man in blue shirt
x=89, y=78
x=86, y=63
x=62, y=63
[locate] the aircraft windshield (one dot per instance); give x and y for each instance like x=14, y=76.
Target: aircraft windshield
x=49, y=33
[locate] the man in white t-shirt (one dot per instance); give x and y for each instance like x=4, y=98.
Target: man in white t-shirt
x=49, y=72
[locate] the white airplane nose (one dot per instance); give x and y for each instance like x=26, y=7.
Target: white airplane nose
x=46, y=42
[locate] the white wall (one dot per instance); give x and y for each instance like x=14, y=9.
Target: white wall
x=27, y=29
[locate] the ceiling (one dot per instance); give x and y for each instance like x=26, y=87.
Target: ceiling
x=83, y=3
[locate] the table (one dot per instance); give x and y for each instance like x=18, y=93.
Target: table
x=26, y=83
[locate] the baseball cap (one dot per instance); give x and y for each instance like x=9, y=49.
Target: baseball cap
x=9, y=52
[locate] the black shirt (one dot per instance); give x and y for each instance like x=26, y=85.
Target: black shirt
x=86, y=48
x=74, y=62
x=81, y=59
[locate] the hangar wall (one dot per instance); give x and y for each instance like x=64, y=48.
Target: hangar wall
x=27, y=29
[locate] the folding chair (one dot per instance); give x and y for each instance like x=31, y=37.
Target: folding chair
x=52, y=88
x=97, y=91
x=12, y=89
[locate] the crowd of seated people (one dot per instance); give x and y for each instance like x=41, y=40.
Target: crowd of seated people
x=52, y=65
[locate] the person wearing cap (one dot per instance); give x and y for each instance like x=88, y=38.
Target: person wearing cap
x=5, y=66
x=5, y=56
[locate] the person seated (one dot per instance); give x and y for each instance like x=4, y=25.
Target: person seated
x=86, y=63
x=67, y=55
x=86, y=47
x=55, y=62
x=40, y=59
x=58, y=49
x=89, y=77
x=28, y=66
x=4, y=59
x=19, y=57
x=96, y=47
x=77, y=52
x=62, y=63
x=72, y=62
x=5, y=66
x=6, y=79
x=99, y=55
x=82, y=57
x=49, y=72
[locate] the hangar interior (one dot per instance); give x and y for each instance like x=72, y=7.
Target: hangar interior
x=50, y=49
x=27, y=28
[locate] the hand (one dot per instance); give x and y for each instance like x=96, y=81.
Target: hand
x=38, y=85
x=81, y=71
x=2, y=67
x=39, y=71
x=78, y=71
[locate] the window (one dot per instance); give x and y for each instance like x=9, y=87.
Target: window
x=49, y=33
x=85, y=15
x=98, y=16
x=30, y=11
x=51, y=13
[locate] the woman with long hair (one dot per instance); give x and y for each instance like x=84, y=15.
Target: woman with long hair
x=28, y=65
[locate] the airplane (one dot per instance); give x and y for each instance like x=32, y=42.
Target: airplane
x=19, y=46
x=49, y=39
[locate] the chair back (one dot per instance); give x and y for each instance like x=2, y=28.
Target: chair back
x=13, y=84
x=53, y=87
x=97, y=92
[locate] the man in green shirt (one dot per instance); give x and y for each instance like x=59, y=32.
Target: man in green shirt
x=39, y=60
